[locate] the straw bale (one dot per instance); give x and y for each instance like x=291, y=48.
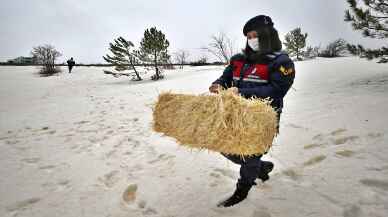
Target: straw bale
x=224, y=122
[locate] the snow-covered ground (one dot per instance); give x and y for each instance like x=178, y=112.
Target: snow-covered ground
x=71, y=145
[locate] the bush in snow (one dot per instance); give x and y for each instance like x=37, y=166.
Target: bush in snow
x=311, y=52
x=202, y=61
x=46, y=55
x=335, y=49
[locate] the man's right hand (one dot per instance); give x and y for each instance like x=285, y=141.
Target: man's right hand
x=214, y=88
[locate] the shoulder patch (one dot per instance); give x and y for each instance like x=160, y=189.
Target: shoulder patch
x=286, y=71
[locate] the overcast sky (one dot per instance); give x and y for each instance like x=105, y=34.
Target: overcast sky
x=84, y=28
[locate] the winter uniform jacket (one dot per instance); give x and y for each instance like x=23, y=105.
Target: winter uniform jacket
x=271, y=78
x=70, y=63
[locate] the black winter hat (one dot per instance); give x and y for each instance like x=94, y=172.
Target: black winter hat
x=268, y=36
x=256, y=23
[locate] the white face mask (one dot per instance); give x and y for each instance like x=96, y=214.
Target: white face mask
x=254, y=44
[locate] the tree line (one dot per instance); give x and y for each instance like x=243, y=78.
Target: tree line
x=124, y=55
x=370, y=17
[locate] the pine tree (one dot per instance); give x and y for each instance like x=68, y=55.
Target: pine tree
x=295, y=41
x=372, y=19
x=153, y=49
x=124, y=57
x=353, y=49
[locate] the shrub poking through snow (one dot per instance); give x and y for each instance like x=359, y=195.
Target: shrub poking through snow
x=46, y=56
x=225, y=122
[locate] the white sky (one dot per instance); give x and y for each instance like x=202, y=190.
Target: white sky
x=84, y=28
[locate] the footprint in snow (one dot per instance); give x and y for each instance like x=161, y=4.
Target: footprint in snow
x=52, y=132
x=21, y=205
x=314, y=160
x=226, y=172
x=375, y=183
x=215, y=175
x=47, y=167
x=110, y=132
x=60, y=185
x=162, y=157
x=120, y=143
x=293, y=174
x=383, y=168
x=110, y=179
x=295, y=126
x=343, y=140
x=110, y=154
x=338, y=132
x=318, y=137
x=312, y=146
x=12, y=142
x=261, y=213
x=150, y=211
x=142, y=204
x=31, y=160
x=64, y=182
x=45, y=128
x=352, y=211
x=345, y=153
x=81, y=122
x=375, y=135
x=216, y=179
x=127, y=153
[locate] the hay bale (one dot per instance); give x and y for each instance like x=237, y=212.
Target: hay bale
x=225, y=122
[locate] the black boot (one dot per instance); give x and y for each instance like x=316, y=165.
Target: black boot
x=266, y=168
x=239, y=195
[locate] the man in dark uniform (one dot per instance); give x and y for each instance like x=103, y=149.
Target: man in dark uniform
x=70, y=64
x=261, y=71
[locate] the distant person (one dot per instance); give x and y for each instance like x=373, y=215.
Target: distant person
x=261, y=71
x=70, y=64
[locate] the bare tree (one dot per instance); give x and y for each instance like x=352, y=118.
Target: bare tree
x=181, y=57
x=221, y=46
x=46, y=55
x=334, y=49
x=311, y=52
